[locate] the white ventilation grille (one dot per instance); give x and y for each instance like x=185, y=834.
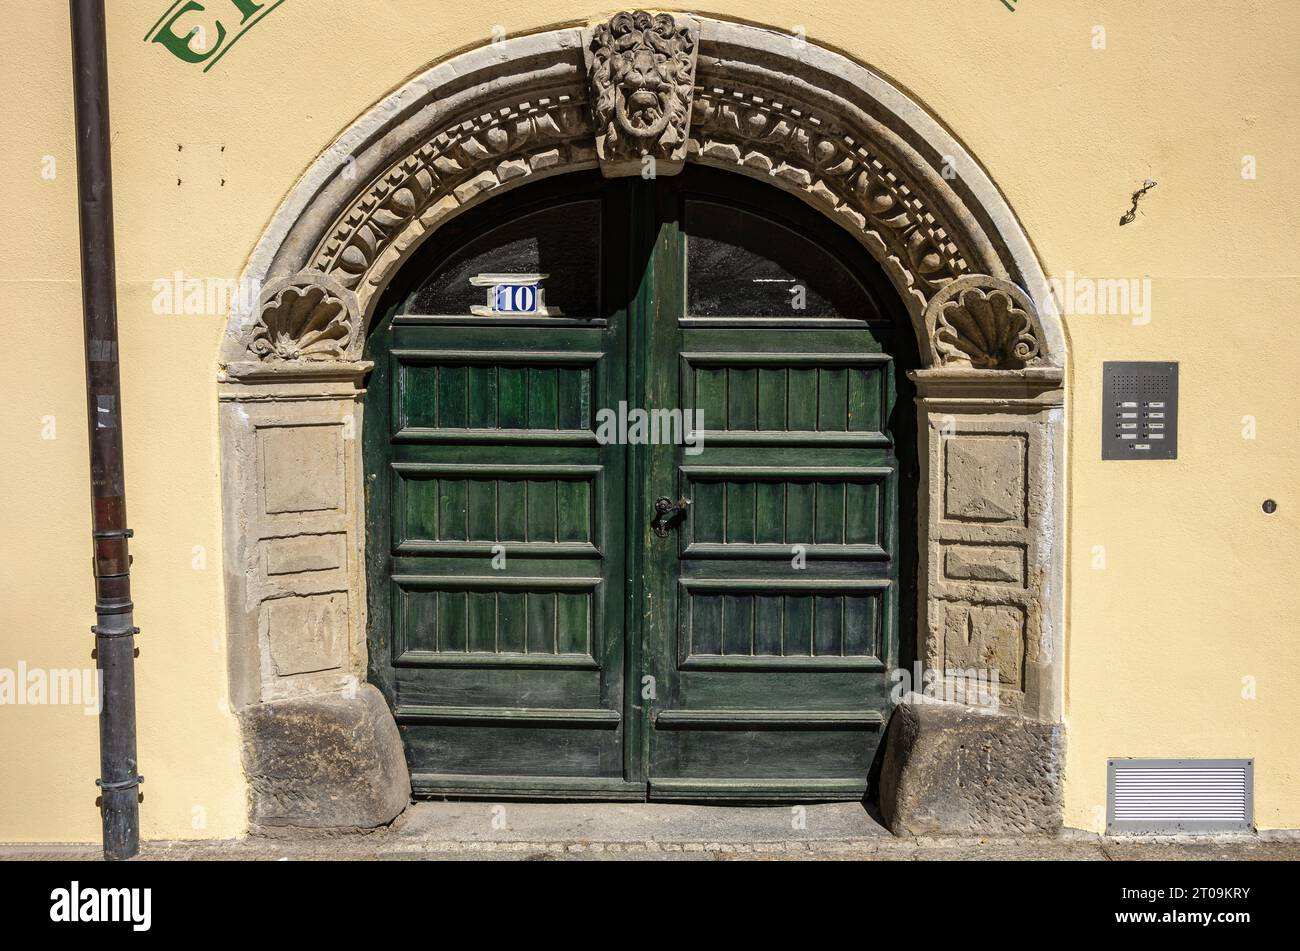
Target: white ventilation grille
x=1179, y=795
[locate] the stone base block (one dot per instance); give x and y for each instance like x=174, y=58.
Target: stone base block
x=327, y=762
x=953, y=770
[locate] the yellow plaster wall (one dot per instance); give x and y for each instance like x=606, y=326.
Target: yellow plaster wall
x=1195, y=593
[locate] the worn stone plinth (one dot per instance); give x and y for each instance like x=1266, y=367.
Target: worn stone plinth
x=954, y=770
x=324, y=762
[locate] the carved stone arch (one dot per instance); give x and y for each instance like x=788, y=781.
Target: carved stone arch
x=762, y=103
x=757, y=102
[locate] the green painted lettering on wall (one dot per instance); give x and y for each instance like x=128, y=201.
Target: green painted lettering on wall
x=207, y=38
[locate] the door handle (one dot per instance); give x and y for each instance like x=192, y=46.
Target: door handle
x=666, y=511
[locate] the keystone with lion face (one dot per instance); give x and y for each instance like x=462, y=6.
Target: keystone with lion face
x=642, y=72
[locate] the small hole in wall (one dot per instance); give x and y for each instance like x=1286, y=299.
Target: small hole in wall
x=1269, y=506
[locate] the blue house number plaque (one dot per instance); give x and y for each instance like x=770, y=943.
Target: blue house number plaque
x=515, y=298
x=513, y=295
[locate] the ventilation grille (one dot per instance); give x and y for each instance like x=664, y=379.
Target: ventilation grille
x=1179, y=795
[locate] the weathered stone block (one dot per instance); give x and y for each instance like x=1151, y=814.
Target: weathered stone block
x=1002, y=564
x=954, y=770
x=325, y=762
x=985, y=478
x=307, y=633
x=302, y=553
x=987, y=637
x=302, y=468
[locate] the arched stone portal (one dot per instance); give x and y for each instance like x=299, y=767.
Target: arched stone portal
x=320, y=747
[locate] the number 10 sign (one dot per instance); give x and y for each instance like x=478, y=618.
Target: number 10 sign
x=518, y=295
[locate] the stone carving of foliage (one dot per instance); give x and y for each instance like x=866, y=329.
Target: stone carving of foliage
x=306, y=317
x=778, y=137
x=985, y=323
x=642, y=72
x=465, y=158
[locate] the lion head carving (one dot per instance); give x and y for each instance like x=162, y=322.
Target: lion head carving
x=642, y=72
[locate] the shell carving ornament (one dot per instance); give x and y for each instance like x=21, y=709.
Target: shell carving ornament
x=641, y=67
x=304, y=318
x=984, y=323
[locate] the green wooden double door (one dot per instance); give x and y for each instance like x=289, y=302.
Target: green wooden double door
x=637, y=523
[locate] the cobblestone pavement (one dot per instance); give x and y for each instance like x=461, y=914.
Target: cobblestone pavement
x=643, y=831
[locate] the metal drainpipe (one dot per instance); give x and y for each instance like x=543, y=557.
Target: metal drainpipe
x=114, y=631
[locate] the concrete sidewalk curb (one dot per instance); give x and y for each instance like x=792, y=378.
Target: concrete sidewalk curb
x=655, y=831
x=906, y=849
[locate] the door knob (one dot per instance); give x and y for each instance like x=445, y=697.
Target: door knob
x=666, y=511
